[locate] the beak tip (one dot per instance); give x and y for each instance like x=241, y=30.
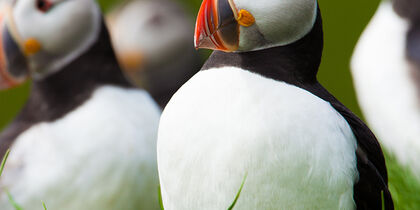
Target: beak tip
x=198, y=37
x=197, y=44
x=199, y=40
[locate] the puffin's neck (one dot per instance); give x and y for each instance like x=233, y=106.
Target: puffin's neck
x=65, y=90
x=294, y=63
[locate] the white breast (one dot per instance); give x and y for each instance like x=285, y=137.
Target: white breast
x=100, y=156
x=385, y=86
x=224, y=124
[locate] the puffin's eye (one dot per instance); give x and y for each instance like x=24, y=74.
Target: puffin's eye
x=43, y=5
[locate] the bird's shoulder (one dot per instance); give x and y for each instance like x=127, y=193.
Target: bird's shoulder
x=373, y=177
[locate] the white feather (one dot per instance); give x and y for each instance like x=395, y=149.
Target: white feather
x=298, y=152
x=100, y=156
x=386, y=88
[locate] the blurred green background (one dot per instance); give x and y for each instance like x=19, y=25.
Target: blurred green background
x=343, y=23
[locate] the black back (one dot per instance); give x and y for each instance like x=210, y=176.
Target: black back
x=297, y=64
x=60, y=93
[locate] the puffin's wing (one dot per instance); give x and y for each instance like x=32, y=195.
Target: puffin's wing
x=373, y=177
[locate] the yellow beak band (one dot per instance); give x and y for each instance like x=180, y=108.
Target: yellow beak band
x=245, y=18
x=31, y=46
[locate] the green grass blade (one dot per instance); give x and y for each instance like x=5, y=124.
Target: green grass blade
x=43, y=205
x=383, y=200
x=238, y=194
x=3, y=162
x=12, y=201
x=160, y=199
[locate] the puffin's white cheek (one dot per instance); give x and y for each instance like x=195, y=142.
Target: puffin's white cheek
x=250, y=38
x=68, y=37
x=125, y=39
x=69, y=32
x=150, y=30
x=277, y=22
x=26, y=22
x=284, y=26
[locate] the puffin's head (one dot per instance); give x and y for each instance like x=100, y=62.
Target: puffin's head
x=40, y=37
x=150, y=37
x=245, y=25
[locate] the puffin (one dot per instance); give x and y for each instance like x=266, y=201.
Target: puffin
x=86, y=138
x=254, y=129
x=152, y=40
x=386, y=74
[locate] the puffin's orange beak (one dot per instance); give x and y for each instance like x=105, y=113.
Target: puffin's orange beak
x=216, y=27
x=6, y=79
x=13, y=64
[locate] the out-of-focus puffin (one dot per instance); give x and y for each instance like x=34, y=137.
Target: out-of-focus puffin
x=257, y=115
x=85, y=139
x=152, y=39
x=386, y=72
